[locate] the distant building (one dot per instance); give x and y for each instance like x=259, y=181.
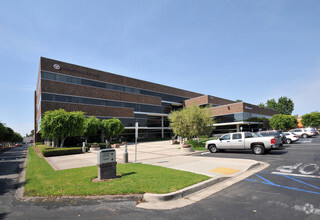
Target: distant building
x=107, y=95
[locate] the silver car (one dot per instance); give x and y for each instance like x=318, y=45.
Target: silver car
x=303, y=132
x=291, y=137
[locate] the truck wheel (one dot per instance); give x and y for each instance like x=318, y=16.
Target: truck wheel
x=304, y=136
x=258, y=149
x=213, y=149
x=289, y=141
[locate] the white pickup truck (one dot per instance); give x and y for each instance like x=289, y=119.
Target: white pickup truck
x=244, y=141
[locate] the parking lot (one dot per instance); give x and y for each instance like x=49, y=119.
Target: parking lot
x=290, y=186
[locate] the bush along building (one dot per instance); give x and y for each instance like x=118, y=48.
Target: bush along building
x=106, y=95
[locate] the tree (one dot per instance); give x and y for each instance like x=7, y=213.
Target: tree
x=262, y=105
x=239, y=100
x=92, y=126
x=112, y=128
x=31, y=134
x=3, y=132
x=272, y=104
x=60, y=124
x=283, y=122
x=17, y=137
x=283, y=106
x=311, y=120
x=192, y=121
x=10, y=136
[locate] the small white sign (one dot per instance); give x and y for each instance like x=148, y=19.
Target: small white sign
x=106, y=156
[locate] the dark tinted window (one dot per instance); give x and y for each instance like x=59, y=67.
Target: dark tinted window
x=236, y=136
x=248, y=135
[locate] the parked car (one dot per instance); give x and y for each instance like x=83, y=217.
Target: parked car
x=244, y=141
x=291, y=137
x=274, y=133
x=314, y=130
x=18, y=145
x=303, y=132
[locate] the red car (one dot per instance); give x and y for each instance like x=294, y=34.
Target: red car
x=18, y=145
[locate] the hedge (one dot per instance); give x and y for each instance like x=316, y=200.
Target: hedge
x=49, y=151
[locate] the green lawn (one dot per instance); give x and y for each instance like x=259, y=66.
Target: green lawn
x=42, y=180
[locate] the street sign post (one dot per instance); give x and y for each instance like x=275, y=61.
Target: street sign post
x=136, y=137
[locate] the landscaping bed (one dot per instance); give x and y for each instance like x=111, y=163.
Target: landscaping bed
x=42, y=180
x=201, y=145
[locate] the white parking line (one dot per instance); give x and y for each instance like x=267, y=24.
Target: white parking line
x=300, y=175
x=205, y=153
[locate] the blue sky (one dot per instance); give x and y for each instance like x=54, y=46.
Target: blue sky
x=235, y=49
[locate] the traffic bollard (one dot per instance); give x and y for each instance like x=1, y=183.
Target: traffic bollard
x=125, y=154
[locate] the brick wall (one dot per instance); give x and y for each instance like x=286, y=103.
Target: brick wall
x=74, y=70
x=241, y=107
x=207, y=99
x=86, y=91
x=89, y=109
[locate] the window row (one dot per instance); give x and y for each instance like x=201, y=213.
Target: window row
x=91, y=101
x=87, y=82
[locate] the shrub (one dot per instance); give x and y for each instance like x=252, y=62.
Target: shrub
x=195, y=143
x=39, y=143
x=49, y=151
x=61, y=151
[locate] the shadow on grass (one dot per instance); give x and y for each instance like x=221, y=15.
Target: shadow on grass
x=128, y=174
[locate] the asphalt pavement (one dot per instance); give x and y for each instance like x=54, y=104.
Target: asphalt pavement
x=288, y=189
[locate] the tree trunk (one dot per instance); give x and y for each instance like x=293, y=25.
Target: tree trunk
x=86, y=141
x=102, y=136
x=62, y=141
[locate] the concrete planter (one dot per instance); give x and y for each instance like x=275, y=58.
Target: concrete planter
x=94, y=148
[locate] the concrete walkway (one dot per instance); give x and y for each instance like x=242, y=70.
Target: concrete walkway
x=161, y=153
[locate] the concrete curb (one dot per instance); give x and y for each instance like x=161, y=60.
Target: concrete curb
x=151, y=197
x=22, y=178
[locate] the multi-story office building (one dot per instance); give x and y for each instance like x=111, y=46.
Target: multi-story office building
x=107, y=95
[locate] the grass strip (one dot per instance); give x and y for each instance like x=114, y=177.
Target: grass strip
x=42, y=180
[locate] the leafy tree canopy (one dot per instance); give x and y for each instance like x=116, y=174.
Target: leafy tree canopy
x=283, y=106
x=3, y=132
x=311, y=120
x=283, y=122
x=192, y=121
x=59, y=124
x=112, y=127
x=92, y=126
x=239, y=100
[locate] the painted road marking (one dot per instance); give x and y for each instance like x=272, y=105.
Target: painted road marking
x=293, y=174
x=308, y=209
x=305, y=169
x=264, y=180
x=205, y=153
x=224, y=170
